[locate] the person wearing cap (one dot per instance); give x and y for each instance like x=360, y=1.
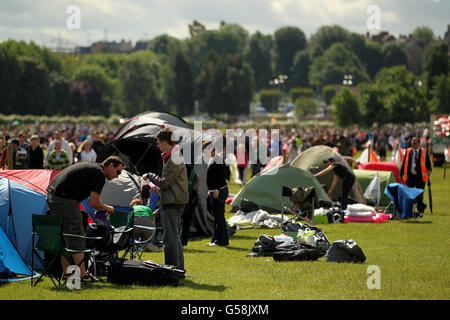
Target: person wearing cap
x=340, y=171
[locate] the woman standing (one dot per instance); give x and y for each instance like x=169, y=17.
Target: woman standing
x=87, y=154
x=217, y=194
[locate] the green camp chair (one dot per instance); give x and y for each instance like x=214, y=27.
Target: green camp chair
x=48, y=229
x=120, y=232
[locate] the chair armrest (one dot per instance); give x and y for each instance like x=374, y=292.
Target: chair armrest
x=122, y=231
x=144, y=227
x=81, y=237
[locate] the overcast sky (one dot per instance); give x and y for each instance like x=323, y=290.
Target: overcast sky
x=43, y=21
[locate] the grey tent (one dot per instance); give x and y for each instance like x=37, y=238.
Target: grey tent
x=135, y=144
x=311, y=160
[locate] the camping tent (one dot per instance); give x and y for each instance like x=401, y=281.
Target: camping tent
x=311, y=160
x=135, y=144
x=364, y=178
x=382, y=166
x=265, y=188
x=22, y=193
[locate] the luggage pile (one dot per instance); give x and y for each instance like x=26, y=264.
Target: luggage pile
x=301, y=242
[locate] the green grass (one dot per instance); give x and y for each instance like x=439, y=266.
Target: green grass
x=413, y=257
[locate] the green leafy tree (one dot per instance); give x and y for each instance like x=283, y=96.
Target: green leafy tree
x=328, y=92
x=300, y=69
x=259, y=57
x=373, y=58
x=270, y=98
x=371, y=99
x=10, y=74
x=436, y=62
x=394, y=55
x=346, y=108
x=423, y=34
x=305, y=106
x=404, y=99
x=179, y=87
x=357, y=43
x=33, y=92
x=334, y=64
x=296, y=93
x=326, y=36
x=139, y=86
x=440, y=102
x=225, y=85
x=220, y=42
x=288, y=40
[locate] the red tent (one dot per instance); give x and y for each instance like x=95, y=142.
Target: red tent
x=36, y=179
x=383, y=166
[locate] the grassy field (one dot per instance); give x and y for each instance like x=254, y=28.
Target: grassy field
x=412, y=257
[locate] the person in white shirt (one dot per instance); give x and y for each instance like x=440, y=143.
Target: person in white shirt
x=87, y=154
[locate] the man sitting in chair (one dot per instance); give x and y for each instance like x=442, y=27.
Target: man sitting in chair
x=70, y=187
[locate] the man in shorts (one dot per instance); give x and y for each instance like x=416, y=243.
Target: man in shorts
x=70, y=187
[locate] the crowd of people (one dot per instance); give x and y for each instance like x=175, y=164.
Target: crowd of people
x=57, y=146
x=51, y=146
x=75, y=151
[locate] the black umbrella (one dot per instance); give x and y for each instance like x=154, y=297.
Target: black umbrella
x=429, y=196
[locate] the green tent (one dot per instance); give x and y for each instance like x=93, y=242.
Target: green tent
x=366, y=176
x=311, y=160
x=265, y=188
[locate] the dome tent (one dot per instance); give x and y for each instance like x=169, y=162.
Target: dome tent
x=311, y=160
x=265, y=188
x=135, y=144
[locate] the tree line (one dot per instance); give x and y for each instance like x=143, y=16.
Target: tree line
x=225, y=69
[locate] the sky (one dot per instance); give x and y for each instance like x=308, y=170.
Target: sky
x=81, y=22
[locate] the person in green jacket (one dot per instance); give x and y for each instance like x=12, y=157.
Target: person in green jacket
x=58, y=158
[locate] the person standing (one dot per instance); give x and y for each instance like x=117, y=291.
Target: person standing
x=36, y=153
x=217, y=195
x=416, y=169
x=64, y=145
x=87, y=154
x=340, y=171
x=58, y=158
x=70, y=187
x=173, y=189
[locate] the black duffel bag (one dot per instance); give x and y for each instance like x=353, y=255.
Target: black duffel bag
x=345, y=251
x=146, y=273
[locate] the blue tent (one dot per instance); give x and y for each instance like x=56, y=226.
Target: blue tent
x=12, y=265
x=22, y=193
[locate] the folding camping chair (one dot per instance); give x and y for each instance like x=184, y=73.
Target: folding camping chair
x=117, y=242
x=48, y=228
x=307, y=203
x=139, y=245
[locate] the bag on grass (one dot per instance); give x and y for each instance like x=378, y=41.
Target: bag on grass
x=345, y=251
x=144, y=273
x=304, y=253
